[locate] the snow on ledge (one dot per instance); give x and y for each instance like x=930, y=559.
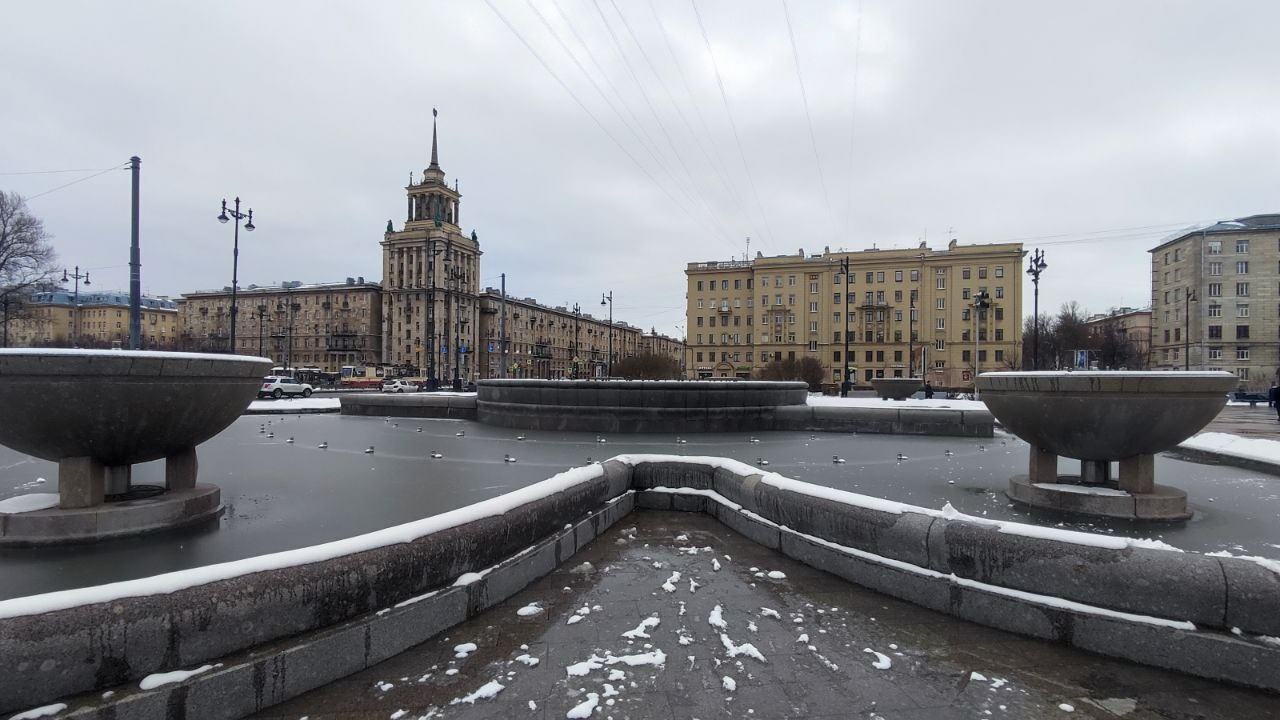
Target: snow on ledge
x=288, y=405
x=162, y=354
x=908, y=404
x=1259, y=449
x=28, y=503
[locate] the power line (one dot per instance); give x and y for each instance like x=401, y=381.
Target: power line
x=586, y=109
x=724, y=97
x=804, y=98
x=73, y=182
x=50, y=172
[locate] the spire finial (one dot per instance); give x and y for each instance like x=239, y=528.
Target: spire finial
x=435, y=160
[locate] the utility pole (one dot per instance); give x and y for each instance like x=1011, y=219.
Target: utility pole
x=609, y=364
x=577, y=356
x=1035, y=266
x=135, y=263
x=502, y=327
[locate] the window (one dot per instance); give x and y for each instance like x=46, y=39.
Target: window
x=941, y=283
x=964, y=314
x=724, y=284
x=1242, y=289
x=999, y=274
x=1242, y=267
x=1215, y=289
x=813, y=307
x=941, y=324
x=813, y=326
x=999, y=334
x=1242, y=246
x=711, y=321
x=1177, y=334
x=897, y=315
x=764, y=281
x=1215, y=268
x=966, y=356
x=1214, y=247
x=1177, y=274
x=791, y=299
x=1215, y=352
x=897, y=276
x=871, y=277
x=1242, y=332
x=777, y=299
x=1242, y=373
x=999, y=291
x=870, y=356
x=699, y=321
x=1215, y=311
x=1215, y=332
x=737, y=284
x=699, y=357
x=897, y=296
x=915, y=276
x=699, y=284
x=1242, y=353
x=699, y=304
x=835, y=318
x=999, y=356
x=964, y=273
x=897, y=356
x=791, y=280
x=982, y=273
x=835, y=299
x=813, y=288
x=1242, y=310
x=879, y=356
x=940, y=304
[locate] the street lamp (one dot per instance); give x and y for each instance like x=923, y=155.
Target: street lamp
x=75, y=301
x=609, y=365
x=262, y=313
x=844, y=371
x=235, y=255
x=577, y=355
x=1035, y=266
x=1186, y=327
x=981, y=301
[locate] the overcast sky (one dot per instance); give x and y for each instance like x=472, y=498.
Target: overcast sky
x=1091, y=129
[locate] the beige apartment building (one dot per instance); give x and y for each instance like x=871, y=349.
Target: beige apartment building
x=430, y=282
x=1214, y=300
x=1131, y=325
x=898, y=309
x=327, y=325
x=94, y=319
x=557, y=342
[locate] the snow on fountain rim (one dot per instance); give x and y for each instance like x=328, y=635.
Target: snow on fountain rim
x=411, y=531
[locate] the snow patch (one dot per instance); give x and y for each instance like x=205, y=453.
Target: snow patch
x=716, y=618
x=155, y=680
x=484, y=692
x=463, y=650
x=584, y=708
x=640, y=630
x=528, y=610
x=882, y=661
x=42, y=711
x=669, y=585
x=744, y=649
x=30, y=502
x=728, y=683
x=527, y=659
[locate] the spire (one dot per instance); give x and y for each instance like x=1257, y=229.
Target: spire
x=435, y=160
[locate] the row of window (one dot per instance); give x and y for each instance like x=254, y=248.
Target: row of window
x=872, y=276
x=876, y=297
x=1214, y=247
x=870, y=356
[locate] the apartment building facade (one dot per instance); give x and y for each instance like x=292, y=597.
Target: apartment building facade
x=1214, y=295
x=899, y=310
x=325, y=325
x=93, y=319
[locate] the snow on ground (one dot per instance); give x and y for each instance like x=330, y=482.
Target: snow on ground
x=284, y=406
x=485, y=692
x=42, y=711
x=29, y=503
x=1082, y=489
x=1267, y=451
x=882, y=661
x=585, y=708
x=530, y=609
x=909, y=404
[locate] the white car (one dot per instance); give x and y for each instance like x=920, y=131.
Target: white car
x=277, y=386
x=398, y=385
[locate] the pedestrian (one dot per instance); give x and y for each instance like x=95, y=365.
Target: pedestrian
x=1273, y=399
x=928, y=390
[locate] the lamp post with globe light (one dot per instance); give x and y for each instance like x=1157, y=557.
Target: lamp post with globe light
x=235, y=255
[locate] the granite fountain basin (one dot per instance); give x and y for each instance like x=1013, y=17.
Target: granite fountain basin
x=1098, y=417
x=98, y=412
x=896, y=388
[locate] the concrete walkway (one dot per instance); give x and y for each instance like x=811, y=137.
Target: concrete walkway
x=1259, y=422
x=742, y=632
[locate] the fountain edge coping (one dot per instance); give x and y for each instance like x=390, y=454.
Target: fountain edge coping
x=888, y=529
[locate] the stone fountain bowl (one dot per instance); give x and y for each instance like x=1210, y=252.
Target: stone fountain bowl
x=120, y=407
x=1105, y=415
x=897, y=388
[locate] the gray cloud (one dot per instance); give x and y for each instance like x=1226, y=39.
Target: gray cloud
x=1001, y=120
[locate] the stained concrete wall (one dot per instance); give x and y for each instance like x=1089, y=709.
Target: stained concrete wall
x=281, y=632
x=417, y=405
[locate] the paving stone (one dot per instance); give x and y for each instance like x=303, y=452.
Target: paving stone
x=863, y=655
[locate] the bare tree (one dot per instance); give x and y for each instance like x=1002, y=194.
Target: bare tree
x=26, y=257
x=808, y=369
x=647, y=367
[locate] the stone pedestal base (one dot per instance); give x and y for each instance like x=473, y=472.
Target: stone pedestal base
x=1160, y=503
x=111, y=520
x=80, y=482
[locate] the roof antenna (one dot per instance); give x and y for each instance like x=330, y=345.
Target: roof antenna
x=747, y=255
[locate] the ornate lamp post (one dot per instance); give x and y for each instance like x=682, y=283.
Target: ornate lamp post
x=262, y=314
x=1189, y=298
x=75, y=301
x=235, y=255
x=1035, y=266
x=609, y=364
x=844, y=371
x=981, y=301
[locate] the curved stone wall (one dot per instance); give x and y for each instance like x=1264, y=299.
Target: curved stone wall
x=635, y=405
x=313, y=615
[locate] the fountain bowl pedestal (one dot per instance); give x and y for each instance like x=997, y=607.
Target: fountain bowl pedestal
x=98, y=412
x=1100, y=417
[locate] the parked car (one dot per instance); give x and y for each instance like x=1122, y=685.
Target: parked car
x=278, y=386
x=398, y=385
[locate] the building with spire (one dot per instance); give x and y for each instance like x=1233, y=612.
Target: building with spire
x=430, y=282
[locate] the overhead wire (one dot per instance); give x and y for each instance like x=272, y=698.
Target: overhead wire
x=808, y=116
x=587, y=110
x=713, y=157
x=73, y=182
x=724, y=97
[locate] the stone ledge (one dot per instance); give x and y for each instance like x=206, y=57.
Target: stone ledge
x=56, y=526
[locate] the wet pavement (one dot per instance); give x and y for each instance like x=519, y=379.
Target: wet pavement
x=282, y=495
x=1257, y=422
x=672, y=615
